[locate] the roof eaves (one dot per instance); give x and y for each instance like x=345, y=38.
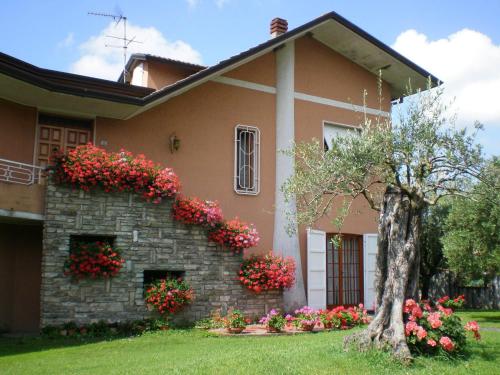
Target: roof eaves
x=275, y=42
x=69, y=83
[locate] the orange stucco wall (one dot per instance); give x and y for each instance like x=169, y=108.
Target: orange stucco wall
x=322, y=72
x=160, y=75
x=262, y=70
x=17, y=123
x=204, y=120
x=20, y=277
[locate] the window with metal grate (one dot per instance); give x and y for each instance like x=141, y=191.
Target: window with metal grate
x=246, y=160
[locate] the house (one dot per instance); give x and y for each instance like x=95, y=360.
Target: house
x=218, y=127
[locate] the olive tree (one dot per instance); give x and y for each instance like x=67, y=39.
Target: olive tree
x=400, y=167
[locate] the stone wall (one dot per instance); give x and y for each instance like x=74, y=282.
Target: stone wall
x=149, y=239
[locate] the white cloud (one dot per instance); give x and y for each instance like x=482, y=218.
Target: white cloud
x=192, y=3
x=221, y=3
x=100, y=61
x=467, y=61
x=67, y=42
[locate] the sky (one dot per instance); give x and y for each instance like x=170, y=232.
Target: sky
x=458, y=41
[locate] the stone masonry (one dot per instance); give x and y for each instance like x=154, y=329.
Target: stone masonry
x=149, y=239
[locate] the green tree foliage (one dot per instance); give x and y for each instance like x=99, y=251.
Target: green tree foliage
x=472, y=231
x=431, y=248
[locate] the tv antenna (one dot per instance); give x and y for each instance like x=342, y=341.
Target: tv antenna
x=126, y=42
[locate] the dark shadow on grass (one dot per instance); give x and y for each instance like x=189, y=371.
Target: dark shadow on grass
x=21, y=345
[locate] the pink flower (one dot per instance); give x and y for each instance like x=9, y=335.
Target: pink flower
x=421, y=333
x=411, y=326
x=409, y=305
x=416, y=311
x=445, y=310
x=473, y=327
x=431, y=342
x=434, y=320
x=446, y=343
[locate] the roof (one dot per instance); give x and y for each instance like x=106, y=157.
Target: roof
x=138, y=57
x=331, y=29
x=69, y=83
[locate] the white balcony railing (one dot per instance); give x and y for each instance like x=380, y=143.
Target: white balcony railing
x=20, y=173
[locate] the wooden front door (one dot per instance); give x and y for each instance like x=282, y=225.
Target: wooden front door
x=344, y=270
x=54, y=138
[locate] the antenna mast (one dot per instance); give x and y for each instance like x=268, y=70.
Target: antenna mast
x=126, y=42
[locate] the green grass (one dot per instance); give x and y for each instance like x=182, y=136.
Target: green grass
x=197, y=352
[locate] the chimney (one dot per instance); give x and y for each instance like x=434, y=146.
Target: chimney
x=278, y=26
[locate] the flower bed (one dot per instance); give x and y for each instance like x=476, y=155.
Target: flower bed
x=93, y=259
x=234, y=235
x=168, y=296
x=305, y=319
x=88, y=166
x=435, y=330
x=344, y=318
x=259, y=273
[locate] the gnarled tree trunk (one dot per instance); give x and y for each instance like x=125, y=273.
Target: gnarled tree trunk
x=397, y=273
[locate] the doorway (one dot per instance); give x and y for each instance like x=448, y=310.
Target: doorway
x=344, y=270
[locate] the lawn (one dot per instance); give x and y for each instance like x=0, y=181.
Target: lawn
x=197, y=352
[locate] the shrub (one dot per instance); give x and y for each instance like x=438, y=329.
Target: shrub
x=234, y=235
x=454, y=303
x=196, y=211
x=274, y=321
x=435, y=331
x=93, y=259
x=88, y=166
x=259, y=273
x=168, y=296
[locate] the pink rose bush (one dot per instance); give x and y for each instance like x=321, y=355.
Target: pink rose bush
x=435, y=330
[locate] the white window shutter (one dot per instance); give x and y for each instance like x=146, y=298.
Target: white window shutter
x=316, y=269
x=369, y=266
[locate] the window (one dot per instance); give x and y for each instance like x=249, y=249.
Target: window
x=331, y=131
x=247, y=160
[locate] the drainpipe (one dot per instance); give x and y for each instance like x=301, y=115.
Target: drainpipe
x=285, y=134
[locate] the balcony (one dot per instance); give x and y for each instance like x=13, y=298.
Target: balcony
x=22, y=191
